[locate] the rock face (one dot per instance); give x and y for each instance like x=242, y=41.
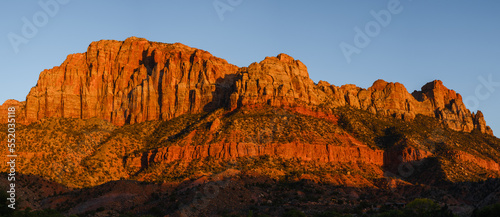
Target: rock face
x=393, y=99
x=306, y=152
x=471, y=159
x=404, y=153
x=129, y=82
x=135, y=80
x=277, y=81
x=449, y=107
x=282, y=81
x=11, y=103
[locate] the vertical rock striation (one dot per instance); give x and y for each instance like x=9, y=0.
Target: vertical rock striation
x=130, y=82
x=135, y=80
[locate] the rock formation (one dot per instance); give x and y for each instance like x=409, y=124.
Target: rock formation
x=282, y=81
x=135, y=80
x=250, y=127
x=130, y=82
x=306, y=152
x=11, y=103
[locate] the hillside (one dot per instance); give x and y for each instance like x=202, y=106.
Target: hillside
x=134, y=117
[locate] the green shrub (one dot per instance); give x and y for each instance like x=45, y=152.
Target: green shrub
x=294, y=213
x=488, y=211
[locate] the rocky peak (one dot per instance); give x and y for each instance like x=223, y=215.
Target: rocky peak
x=438, y=93
x=379, y=85
x=129, y=82
x=134, y=38
x=136, y=80
x=275, y=81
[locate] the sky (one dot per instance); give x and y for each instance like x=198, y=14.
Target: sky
x=343, y=42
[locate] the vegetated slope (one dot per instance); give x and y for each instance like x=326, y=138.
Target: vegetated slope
x=132, y=81
x=246, y=178
x=84, y=153
x=167, y=113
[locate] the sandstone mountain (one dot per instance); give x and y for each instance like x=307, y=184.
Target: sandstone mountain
x=158, y=122
x=133, y=81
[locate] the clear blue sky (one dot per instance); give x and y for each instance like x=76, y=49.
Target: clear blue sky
x=454, y=41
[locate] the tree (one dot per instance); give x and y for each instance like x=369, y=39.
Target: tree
x=488, y=211
x=423, y=207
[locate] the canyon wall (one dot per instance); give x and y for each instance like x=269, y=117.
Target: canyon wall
x=130, y=82
x=135, y=80
x=307, y=152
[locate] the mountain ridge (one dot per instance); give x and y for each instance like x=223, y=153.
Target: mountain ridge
x=135, y=80
x=145, y=127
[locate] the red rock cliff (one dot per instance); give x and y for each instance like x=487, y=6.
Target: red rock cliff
x=129, y=82
x=137, y=80
x=321, y=153
x=283, y=81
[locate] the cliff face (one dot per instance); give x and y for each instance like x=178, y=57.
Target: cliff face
x=306, y=152
x=136, y=80
x=434, y=100
x=283, y=81
x=276, y=81
x=129, y=82
x=12, y=103
x=258, y=124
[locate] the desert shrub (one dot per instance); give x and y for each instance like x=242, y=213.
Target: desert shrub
x=420, y=207
x=488, y=211
x=294, y=213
